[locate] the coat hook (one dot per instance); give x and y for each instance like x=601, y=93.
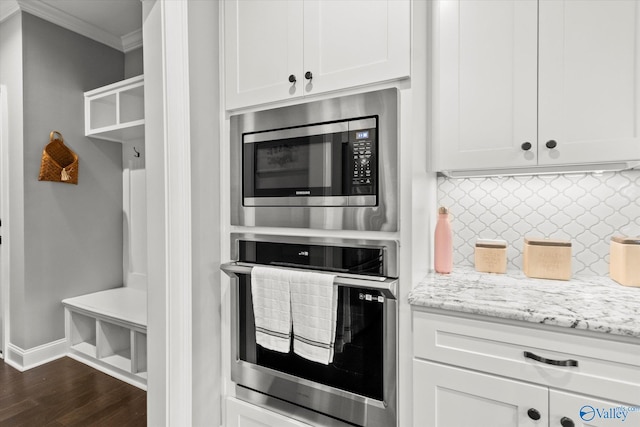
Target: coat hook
x=137, y=152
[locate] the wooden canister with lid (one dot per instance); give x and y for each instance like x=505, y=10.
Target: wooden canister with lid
x=491, y=256
x=624, y=260
x=547, y=258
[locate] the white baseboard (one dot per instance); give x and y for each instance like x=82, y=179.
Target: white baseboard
x=23, y=360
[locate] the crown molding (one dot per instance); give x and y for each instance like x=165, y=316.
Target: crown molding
x=131, y=41
x=8, y=8
x=42, y=10
x=64, y=20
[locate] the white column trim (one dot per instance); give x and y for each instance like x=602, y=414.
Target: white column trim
x=132, y=41
x=177, y=165
x=5, y=263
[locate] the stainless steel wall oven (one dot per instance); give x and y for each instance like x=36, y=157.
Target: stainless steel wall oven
x=359, y=386
x=328, y=164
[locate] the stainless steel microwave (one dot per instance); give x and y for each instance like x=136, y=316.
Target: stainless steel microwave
x=329, y=164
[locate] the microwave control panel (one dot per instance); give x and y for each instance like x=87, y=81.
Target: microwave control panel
x=362, y=145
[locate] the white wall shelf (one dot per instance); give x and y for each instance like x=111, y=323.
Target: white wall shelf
x=116, y=112
x=108, y=331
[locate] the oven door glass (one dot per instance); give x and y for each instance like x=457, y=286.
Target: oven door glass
x=357, y=365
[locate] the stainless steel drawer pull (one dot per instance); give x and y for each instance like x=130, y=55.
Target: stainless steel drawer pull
x=537, y=358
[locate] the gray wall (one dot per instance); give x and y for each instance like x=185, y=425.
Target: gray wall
x=133, y=63
x=73, y=237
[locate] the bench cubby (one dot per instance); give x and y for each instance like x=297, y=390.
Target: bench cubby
x=108, y=331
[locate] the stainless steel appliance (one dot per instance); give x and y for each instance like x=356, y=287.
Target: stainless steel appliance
x=329, y=164
x=359, y=386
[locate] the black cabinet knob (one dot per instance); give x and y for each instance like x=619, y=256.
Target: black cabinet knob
x=551, y=144
x=533, y=414
x=566, y=422
x=292, y=78
x=526, y=146
x=308, y=75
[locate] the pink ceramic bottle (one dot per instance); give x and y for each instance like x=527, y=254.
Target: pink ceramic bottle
x=443, y=256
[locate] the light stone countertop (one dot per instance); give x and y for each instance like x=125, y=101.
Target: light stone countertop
x=590, y=303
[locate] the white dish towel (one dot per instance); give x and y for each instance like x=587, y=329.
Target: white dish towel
x=314, y=302
x=271, y=307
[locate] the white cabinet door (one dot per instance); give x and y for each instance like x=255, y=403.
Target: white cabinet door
x=586, y=411
x=485, y=57
x=445, y=396
x=263, y=47
x=589, y=81
x=342, y=44
x=349, y=43
x=243, y=414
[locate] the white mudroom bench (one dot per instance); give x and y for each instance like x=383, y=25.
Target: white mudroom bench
x=108, y=331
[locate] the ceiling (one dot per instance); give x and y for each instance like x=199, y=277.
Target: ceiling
x=116, y=23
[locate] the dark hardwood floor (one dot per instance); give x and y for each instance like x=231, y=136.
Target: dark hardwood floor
x=68, y=393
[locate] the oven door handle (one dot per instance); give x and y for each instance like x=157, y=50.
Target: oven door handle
x=388, y=287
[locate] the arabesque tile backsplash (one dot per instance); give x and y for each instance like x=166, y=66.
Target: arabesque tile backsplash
x=586, y=208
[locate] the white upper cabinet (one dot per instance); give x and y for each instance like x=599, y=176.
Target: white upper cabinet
x=276, y=50
x=522, y=83
x=263, y=51
x=350, y=42
x=486, y=61
x=589, y=81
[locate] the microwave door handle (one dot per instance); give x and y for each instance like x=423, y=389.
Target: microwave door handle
x=388, y=287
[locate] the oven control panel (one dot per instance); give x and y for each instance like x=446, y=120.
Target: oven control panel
x=369, y=297
x=362, y=147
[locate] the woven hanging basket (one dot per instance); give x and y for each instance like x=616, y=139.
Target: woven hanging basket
x=59, y=163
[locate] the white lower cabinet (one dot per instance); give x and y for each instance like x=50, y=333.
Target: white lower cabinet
x=588, y=411
x=243, y=414
x=470, y=372
x=446, y=396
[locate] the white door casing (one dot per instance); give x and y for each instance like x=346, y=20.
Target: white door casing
x=4, y=214
x=169, y=394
